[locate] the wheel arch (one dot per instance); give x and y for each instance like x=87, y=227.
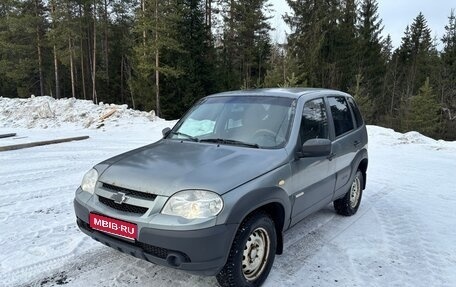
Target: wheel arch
x=362, y=166
x=275, y=203
x=276, y=211
x=360, y=162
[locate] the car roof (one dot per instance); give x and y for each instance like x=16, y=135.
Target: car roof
x=294, y=93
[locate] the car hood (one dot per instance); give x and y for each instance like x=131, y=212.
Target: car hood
x=169, y=166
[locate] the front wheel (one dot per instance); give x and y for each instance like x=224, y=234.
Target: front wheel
x=349, y=204
x=252, y=253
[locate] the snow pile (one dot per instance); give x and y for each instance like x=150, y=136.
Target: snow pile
x=385, y=136
x=47, y=112
x=416, y=138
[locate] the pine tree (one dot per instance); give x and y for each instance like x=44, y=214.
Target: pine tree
x=423, y=53
x=40, y=26
x=19, y=72
x=309, y=38
x=282, y=72
x=364, y=102
x=416, y=57
x=194, y=59
x=120, y=52
x=371, y=65
x=156, y=34
x=424, y=111
x=323, y=42
x=346, y=45
x=390, y=85
x=414, y=61
x=245, y=44
x=448, y=75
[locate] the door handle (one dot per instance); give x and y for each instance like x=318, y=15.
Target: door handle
x=331, y=156
x=356, y=143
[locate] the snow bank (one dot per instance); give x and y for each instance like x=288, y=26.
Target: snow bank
x=47, y=112
x=386, y=136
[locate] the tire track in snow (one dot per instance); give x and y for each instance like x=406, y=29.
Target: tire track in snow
x=41, y=199
x=46, y=166
x=408, y=243
x=107, y=267
x=37, y=273
x=317, y=232
x=37, y=175
x=38, y=193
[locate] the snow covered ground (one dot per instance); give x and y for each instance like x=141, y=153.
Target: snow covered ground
x=404, y=233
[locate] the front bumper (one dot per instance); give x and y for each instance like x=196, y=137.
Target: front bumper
x=201, y=252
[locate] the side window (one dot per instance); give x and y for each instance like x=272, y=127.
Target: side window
x=341, y=114
x=354, y=107
x=314, y=123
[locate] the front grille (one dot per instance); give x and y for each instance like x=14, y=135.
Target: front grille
x=122, y=207
x=131, y=192
x=147, y=248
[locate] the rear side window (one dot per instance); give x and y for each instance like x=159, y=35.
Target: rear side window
x=341, y=114
x=314, y=123
x=358, y=117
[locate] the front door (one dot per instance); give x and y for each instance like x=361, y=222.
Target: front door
x=313, y=177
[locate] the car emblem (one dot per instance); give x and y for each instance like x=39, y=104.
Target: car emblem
x=119, y=197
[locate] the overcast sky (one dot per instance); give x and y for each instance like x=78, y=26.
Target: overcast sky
x=396, y=15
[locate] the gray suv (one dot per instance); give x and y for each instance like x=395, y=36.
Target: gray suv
x=215, y=195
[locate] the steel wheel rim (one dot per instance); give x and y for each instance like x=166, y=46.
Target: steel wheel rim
x=355, y=192
x=256, y=254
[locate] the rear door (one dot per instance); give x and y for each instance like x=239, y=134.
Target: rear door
x=347, y=139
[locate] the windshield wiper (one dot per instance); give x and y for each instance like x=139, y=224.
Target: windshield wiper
x=195, y=139
x=230, y=142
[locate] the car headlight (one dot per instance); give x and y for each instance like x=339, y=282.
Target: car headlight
x=193, y=204
x=89, y=181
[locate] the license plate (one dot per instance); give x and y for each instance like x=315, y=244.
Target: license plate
x=114, y=226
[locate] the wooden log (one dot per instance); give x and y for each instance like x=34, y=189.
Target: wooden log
x=107, y=115
x=7, y=135
x=41, y=143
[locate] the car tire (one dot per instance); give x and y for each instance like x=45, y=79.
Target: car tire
x=349, y=204
x=256, y=237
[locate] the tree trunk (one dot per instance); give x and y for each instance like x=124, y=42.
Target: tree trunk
x=40, y=65
x=94, y=58
x=208, y=19
x=143, y=8
x=83, y=73
x=393, y=93
x=56, y=64
x=56, y=74
x=70, y=47
x=122, y=79
x=106, y=44
x=157, y=63
x=128, y=71
x=82, y=55
x=38, y=46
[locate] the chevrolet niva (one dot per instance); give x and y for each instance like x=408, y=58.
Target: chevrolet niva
x=214, y=196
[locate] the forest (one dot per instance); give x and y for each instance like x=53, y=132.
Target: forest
x=164, y=55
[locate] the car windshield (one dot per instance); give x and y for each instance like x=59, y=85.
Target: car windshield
x=250, y=121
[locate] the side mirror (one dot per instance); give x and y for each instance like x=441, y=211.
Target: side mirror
x=165, y=132
x=316, y=148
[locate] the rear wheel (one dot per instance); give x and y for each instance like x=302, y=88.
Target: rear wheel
x=349, y=204
x=252, y=253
